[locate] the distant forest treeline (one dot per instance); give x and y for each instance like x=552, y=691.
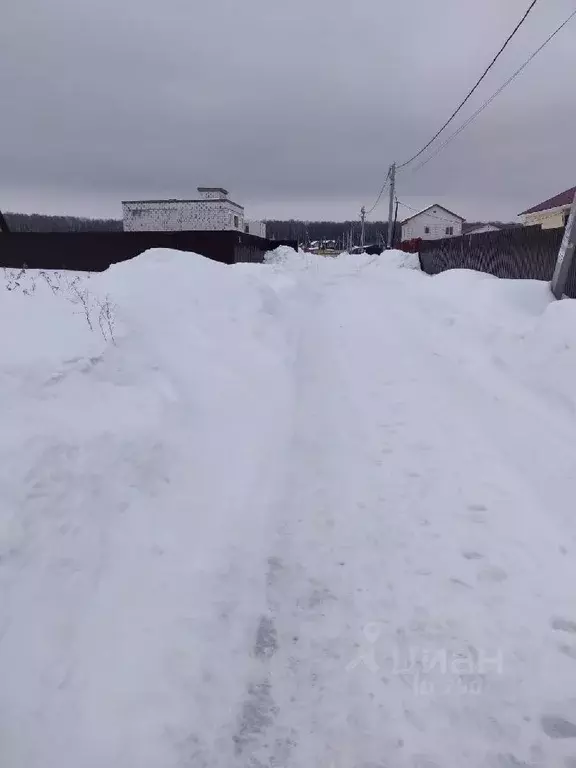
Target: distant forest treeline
x=304, y=231
x=375, y=231
x=343, y=232
x=340, y=231
x=36, y=222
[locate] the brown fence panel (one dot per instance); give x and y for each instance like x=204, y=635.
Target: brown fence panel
x=524, y=252
x=96, y=251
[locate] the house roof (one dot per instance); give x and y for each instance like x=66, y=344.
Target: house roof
x=434, y=205
x=468, y=228
x=176, y=200
x=564, y=198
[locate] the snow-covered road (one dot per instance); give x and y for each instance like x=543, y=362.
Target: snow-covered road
x=312, y=513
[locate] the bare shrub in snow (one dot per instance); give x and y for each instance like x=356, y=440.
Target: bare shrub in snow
x=96, y=312
x=81, y=297
x=106, y=319
x=53, y=281
x=15, y=280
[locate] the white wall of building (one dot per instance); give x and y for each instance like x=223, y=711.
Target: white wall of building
x=178, y=215
x=432, y=224
x=257, y=228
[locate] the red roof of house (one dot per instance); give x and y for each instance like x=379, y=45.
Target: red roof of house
x=564, y=198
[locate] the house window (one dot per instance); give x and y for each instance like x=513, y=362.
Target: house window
x=236, y=222
x=449, y=230
x=427, y=230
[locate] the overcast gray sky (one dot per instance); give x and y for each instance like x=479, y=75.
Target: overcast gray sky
x=296, y=106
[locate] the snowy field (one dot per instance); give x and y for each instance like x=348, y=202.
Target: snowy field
x=317, y=513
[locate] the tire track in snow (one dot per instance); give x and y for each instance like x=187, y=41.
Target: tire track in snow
x=397, y=516
x=309, y=594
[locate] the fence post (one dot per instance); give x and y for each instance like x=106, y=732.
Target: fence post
x=565, y=254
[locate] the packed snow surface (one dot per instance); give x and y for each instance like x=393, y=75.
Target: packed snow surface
x=314, y=513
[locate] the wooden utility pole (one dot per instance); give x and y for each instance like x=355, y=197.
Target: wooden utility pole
x=565, y=254
x=391, y=204
x=363, y=220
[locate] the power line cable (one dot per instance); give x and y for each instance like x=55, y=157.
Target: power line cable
x=494, y=95
x=488, y=68
x=380, y=193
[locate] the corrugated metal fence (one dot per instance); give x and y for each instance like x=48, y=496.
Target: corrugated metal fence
x=524, y=252
x=96, y=251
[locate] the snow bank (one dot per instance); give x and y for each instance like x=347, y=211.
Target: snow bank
x=284, y=254
x=56, y=328
x=136, y=476
x=509, y=326
x=522, y=329
x=217, y=481
x=544, y=356
x=289, y=260
x=483, y=305
x=286, y=259
x=400, y=259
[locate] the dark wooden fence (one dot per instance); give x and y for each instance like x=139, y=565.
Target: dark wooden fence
x=96, y=251
x=525, y=252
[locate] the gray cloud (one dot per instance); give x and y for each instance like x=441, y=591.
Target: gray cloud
x=298, y=108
